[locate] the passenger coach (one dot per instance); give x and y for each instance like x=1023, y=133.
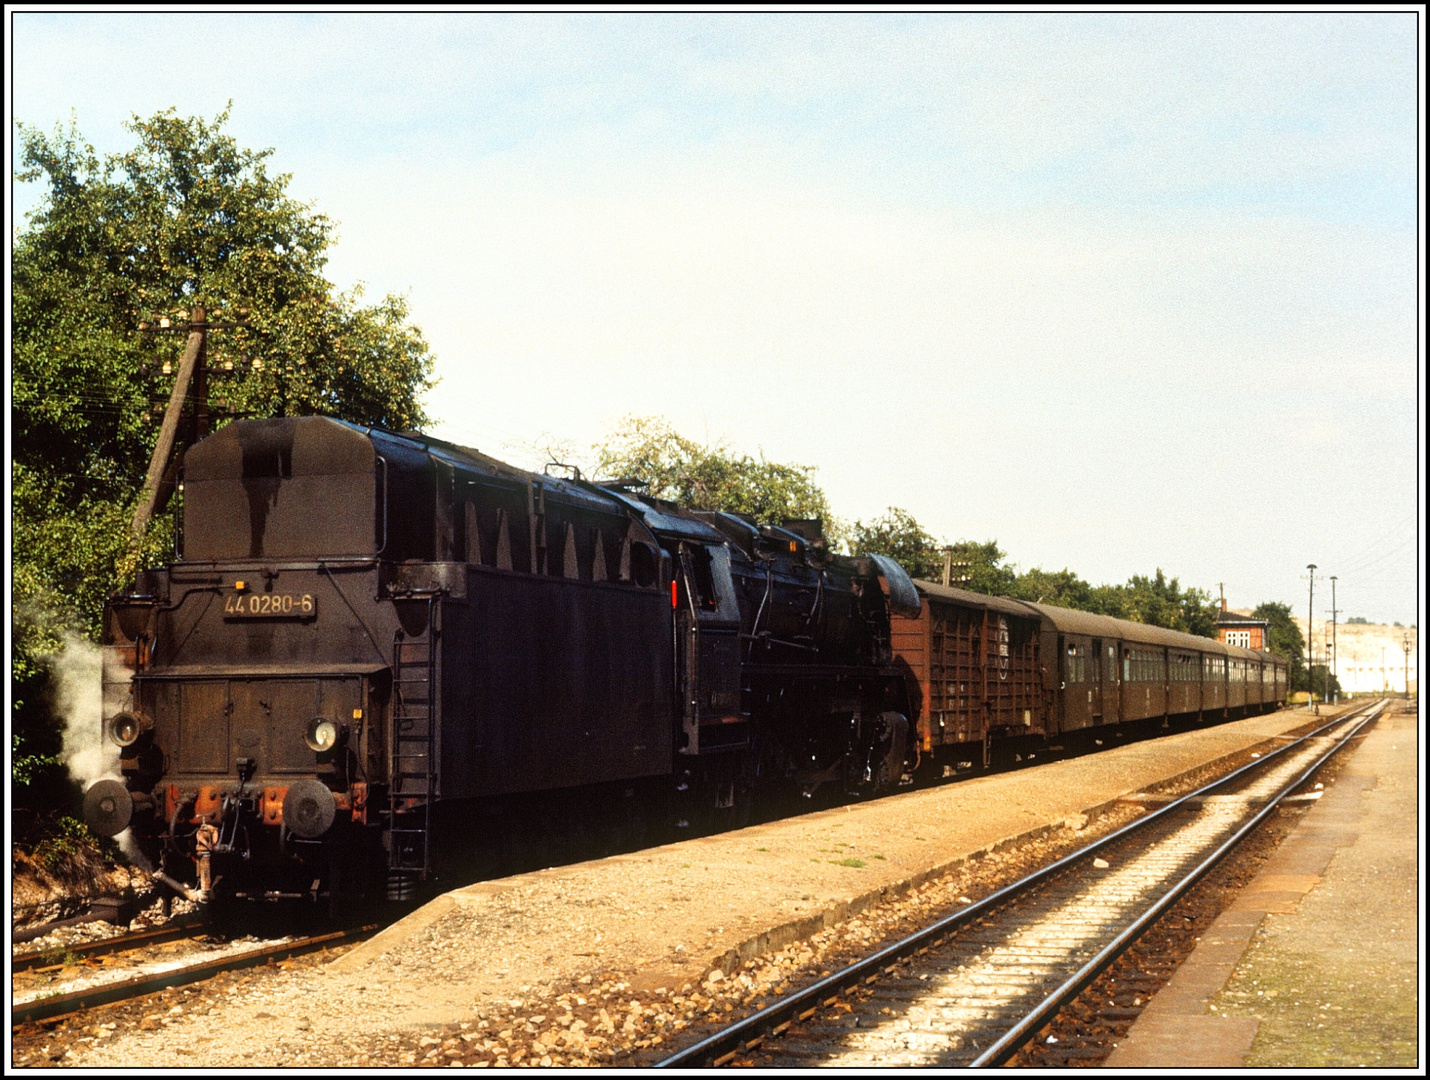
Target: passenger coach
x=990, y=670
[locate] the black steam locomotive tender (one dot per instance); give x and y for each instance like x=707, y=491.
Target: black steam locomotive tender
x=362, y=627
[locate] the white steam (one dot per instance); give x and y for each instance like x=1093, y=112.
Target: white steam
x=87, y=754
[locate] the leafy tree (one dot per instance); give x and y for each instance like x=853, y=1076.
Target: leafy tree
x=1155, y=600
x=1061, y=588
x=1285, y=640
x=649, y=450
x=898, y=535
x=976, y=567
x=184, y=217
x=1320, y=678
x=981, y=568
x=1159, y=602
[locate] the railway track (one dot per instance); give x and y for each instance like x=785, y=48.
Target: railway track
x=973, y=987
x=166, y=974
x=125, y=942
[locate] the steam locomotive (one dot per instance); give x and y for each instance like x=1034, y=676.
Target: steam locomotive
x=362, y=628
x=366, y=634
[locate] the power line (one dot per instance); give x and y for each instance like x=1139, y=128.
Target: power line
x=1356, y=569
x=1368, y=556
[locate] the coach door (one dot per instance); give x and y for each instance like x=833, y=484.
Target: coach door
x=1095, y=684
x=1111, y=698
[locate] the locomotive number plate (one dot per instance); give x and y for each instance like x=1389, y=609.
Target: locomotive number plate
x=245, y=605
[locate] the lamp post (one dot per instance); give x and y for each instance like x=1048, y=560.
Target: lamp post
x=1311, y=641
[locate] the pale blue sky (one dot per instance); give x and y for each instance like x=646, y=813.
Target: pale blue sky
x=1117, y=290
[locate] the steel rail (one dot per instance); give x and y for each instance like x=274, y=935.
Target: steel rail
x=1010, y=1041
x=773, y=1019
x=46, y=1008
x=138, y=939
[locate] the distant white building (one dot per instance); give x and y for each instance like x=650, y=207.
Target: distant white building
x=1366, y=658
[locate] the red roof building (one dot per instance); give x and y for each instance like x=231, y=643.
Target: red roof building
x=1235, y=628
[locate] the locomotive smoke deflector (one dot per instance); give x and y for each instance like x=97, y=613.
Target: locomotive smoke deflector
x=903, y=597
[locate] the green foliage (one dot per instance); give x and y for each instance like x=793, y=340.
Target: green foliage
x=1285, y=640
x=976, y=567
x=1154, y=601
x=1357, y=620
x=1061, y=588
x=66, y=838
x=1323, y=683
x=37, y=769
x=682, y=471
x=25, y=768
x=981, y=568
x=903, y=539
x=184, y=217
x=1159, y=602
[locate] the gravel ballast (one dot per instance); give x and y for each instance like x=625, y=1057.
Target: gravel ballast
x=607, y=961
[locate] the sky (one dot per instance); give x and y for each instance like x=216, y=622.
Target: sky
x=1122, y=291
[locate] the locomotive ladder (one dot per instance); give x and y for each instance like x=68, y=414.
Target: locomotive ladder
x=412, y=768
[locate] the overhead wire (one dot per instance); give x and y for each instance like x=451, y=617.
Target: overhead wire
x=1365, y=564
x=1371, y=551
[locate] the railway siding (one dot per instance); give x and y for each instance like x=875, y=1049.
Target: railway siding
x=660, y=924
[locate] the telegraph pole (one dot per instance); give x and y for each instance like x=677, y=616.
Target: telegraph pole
x=193, y=372
x=949, y=566
x=154, y=488
x=1311, y=642
x=1335, y=657
x=1405, y=644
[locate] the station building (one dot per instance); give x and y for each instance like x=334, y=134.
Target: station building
x=1242, y=629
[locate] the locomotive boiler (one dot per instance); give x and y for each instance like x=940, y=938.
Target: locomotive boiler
x=362, y=627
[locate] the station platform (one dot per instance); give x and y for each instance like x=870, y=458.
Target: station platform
x=670, y=916
x=1317, y=963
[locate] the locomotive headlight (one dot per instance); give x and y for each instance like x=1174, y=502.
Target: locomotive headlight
x=323, y=734
x=125, y=729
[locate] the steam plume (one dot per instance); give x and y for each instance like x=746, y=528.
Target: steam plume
x=87, y=754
